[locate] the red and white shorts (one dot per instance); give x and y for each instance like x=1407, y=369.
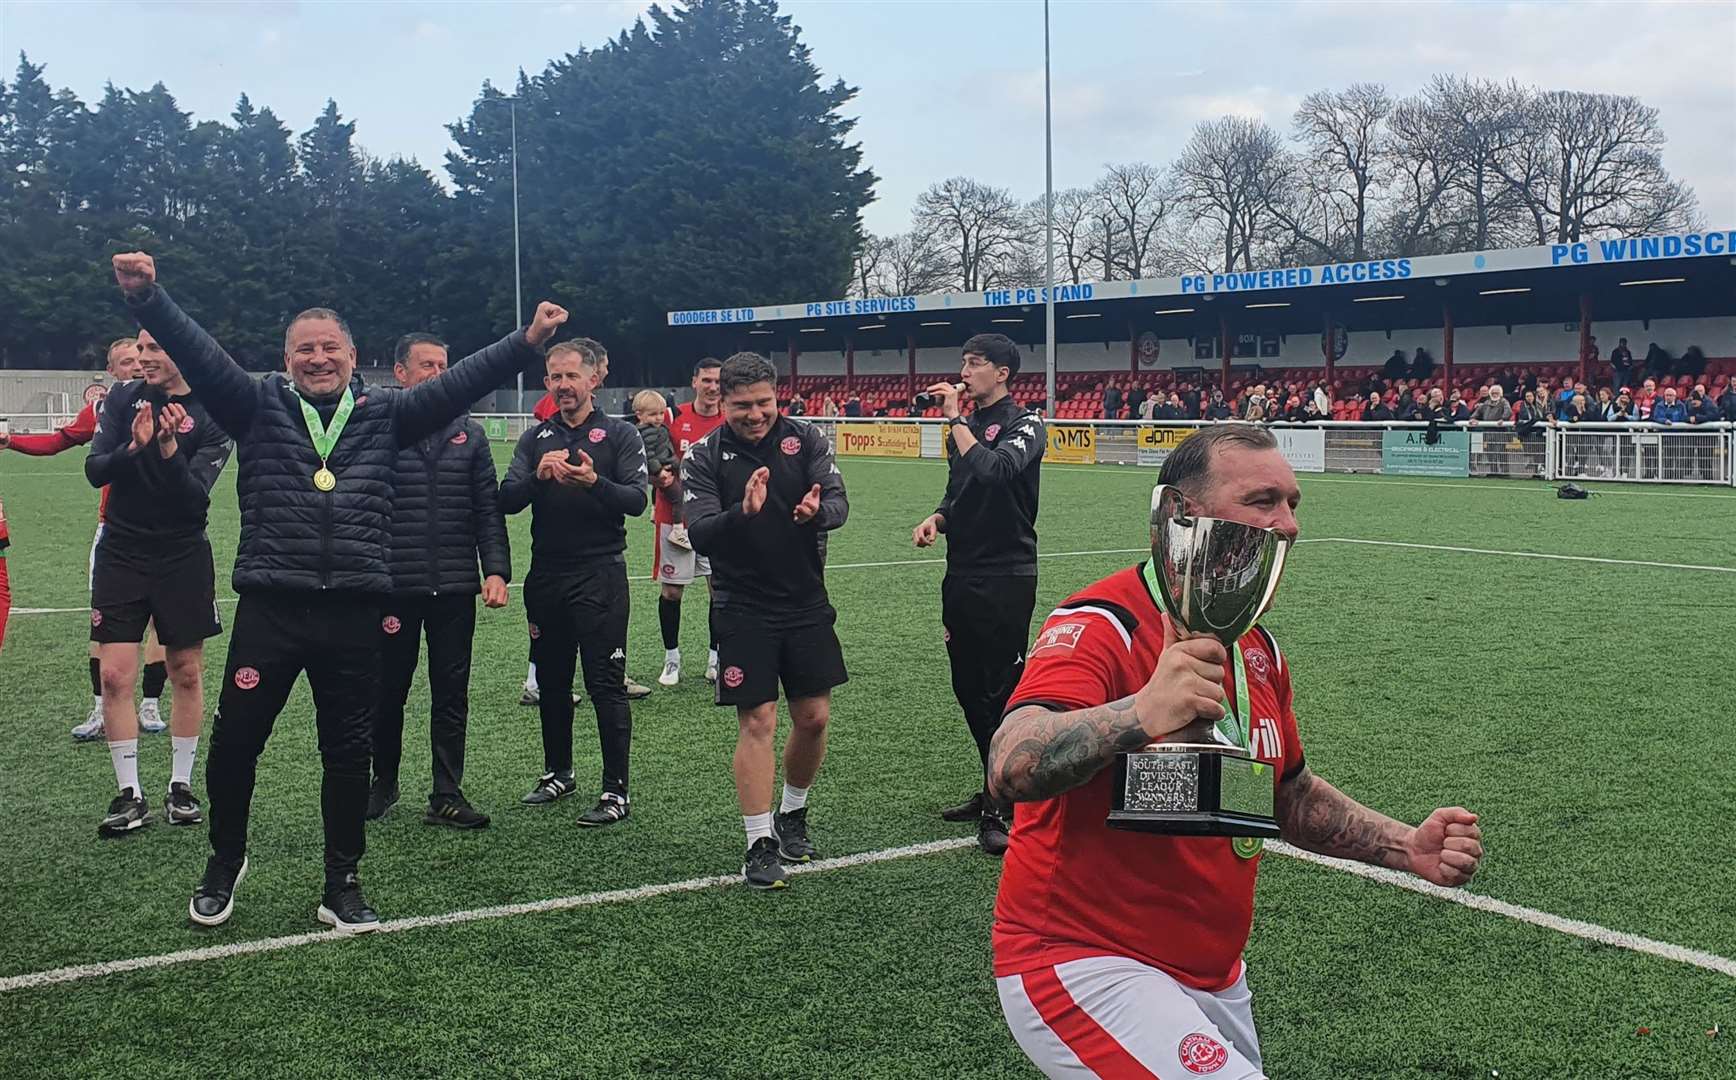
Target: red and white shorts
x=677, y=566
x=1115, y=1018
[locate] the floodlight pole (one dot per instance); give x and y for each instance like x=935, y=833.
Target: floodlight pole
x=1048, y=226
x=517, y=286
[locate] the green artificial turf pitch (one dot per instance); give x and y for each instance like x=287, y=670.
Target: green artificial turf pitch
x=1581, y=707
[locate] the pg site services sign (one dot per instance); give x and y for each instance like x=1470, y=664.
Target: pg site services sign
x=1072, y=445
x=880, y=440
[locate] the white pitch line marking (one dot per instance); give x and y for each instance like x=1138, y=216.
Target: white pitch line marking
x=1521, y=554
x=1542, y=919
x=1477, y=902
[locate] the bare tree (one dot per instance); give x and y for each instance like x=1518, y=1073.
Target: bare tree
x=912, y=264
x=1590, y=164
x=1418, y=180
x=1073, y=217
x=1135, y=196
x=1233, y=173
x=1343, y=136
x=1485, y=125
x=867, y=268
x=978, y=223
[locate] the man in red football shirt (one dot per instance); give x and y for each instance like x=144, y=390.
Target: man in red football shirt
x=677, y=563
x=123, y=364
x=1117, y=953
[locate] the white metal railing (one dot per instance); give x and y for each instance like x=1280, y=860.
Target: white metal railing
x=1643, y=453
x=37, y=422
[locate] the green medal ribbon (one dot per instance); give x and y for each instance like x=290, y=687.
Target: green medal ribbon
x=1235, y=726
x=325, y=436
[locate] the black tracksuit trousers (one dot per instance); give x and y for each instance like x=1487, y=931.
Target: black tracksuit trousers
x=581, y=615
x=988, y=625
x=449, y=621
x=335, y=638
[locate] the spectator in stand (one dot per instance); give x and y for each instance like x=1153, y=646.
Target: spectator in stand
x=1256, y=414
x=1621, y=360
x=1591, y=352
x=1657, y=361
x=1171, y=409
x=1493, y=409
x=1377, y=410
x=1727, y=402
x=1218, y=409
x=1190, y=402
x=1668, y=410
x=1322, y=399
x=828, y=407
x=1294, y=411
x=853, y=406
x=1622, y=411
x=1457, y=409
x=798, y=406
x=1135, y=398
x=1701, y=408
x=1693, y=362
x=1434, y=409
x=1647, y=398
x=1396, y=367
x=1579, y=411
x=1604, y=403
x=1422, y=364
x=1532, y=413
x=1111, y=401
x=1408, y=405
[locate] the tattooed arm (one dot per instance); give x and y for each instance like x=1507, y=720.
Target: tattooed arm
x=1316, y=816
x=1038, y=754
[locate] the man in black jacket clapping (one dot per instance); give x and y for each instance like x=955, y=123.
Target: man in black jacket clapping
x=316, y=455
x=445, y=514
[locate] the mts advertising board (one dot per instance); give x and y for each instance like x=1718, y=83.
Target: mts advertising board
x=1072, y=445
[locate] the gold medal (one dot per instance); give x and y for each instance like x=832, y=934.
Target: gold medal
x=324, y=480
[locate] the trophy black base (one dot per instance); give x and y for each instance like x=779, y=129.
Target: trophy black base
x=1193, y=790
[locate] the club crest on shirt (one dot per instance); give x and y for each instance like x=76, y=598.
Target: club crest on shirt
x=390, y=624
x=1258, y=663
x=461, y=438
x=186, y=424
x=597, y=435
x=1201, y=1054
x=1060, y=636
x=990, y=432
x=791, y=445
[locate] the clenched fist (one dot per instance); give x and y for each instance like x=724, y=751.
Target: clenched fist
x=926, y=533
x=135, y=271
x=1186, y=693
x=543, y=324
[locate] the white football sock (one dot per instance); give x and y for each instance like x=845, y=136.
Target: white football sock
x=186, y=749
x=794, y=799
x=711, y=658
x=96, y=702
x=530, y=678
x=757, y=825
x=124, y=753
x=672, y=656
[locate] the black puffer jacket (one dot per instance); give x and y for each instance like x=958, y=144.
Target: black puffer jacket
x=446, y=513
x=294, y=536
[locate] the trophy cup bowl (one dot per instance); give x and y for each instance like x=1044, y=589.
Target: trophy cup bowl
x=1214, y=577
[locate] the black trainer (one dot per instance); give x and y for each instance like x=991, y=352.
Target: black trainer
x=214, y=901
x=549, y=787
x=180, y=807
x=969, y=810
x=992, y=834
x=791, y=830
x=381, y=798
x=609, y=809
x=126, y=812
x=763, y=870
x=343, y=909
x=455, y=813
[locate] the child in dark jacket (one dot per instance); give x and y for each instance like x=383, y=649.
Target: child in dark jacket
x=652, y=411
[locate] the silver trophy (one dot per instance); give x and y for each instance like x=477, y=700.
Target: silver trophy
x=1210, y=577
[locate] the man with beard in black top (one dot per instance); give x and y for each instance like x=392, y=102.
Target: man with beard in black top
x=989, y=518
x=158, y=451
x=582, y=473
x=761, y=493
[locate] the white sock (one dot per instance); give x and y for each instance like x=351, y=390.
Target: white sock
x=148, y=701
x=711, y=658
x=530, y=678
x=96, y=702
x=757, y=825
x=185, y=749
x=672, y=656
x=794, y=799
x=124, y=753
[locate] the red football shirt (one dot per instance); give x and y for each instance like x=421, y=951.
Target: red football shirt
x=1072, y=887
x=686, y=427
x=80, y=431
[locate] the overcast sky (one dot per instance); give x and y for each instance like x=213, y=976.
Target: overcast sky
x=945, y=88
